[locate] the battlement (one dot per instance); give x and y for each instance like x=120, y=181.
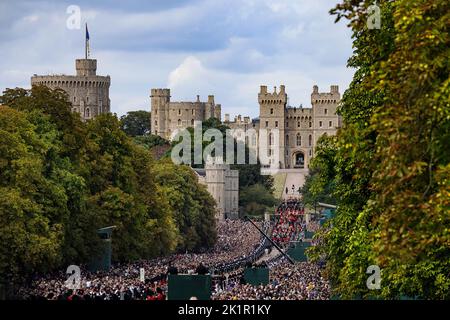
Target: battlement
x=63, y=81
x=333, y=94
x=275, y=97
x=160, y=92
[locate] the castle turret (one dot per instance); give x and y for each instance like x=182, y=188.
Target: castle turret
x=324, y=105
x=218, y=111
x=272, y=110
x=160, y=100
x=87, y=92
x=86, y=67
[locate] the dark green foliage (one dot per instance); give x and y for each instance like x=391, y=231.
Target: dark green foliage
x=136, y=123
x=391, y=159
x=62, y=179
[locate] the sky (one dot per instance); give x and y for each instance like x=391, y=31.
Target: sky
x=227, y=48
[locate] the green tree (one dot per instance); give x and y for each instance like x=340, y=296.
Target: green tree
x=136, y=123
x=256, y=199
x=391, y=164
x=192, y=206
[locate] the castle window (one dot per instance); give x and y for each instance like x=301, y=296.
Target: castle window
x=276, y=124
x=320, y=124
x=74, y=99
x=310, y=152
x=310, y=140
x=156, y=112
x=156, y=122
x=87, y=113
x=87, y=99
x=310, y=124
x=271, y=110
x=287, y=124
x=299, y=139
x=267, y=124
x=326, y=111
x=330, y=124
x=179, y=112
x=270, y=139
x=298, y=124
x=179, y=122
x=287, y=140
x=193, y=112
x=192, y=122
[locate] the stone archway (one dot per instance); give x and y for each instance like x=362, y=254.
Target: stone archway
x=299, y=160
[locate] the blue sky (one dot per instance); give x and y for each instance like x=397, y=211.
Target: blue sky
x=223, y=47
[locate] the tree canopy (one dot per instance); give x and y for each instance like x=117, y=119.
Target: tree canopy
x=390, y=173
x=61, y=179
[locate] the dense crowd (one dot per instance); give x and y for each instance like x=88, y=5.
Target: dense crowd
x=289, y=225
x=236, y=240
x=301, y=281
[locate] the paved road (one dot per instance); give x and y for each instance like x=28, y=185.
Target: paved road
x=294, y=178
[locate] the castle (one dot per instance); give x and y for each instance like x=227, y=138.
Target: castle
x=88, y=92
x=298, y=129
x=168, y=116
x=223, y=185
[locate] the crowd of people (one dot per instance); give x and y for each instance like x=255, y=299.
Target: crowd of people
x=237, y=239
x=238, y=244
x=288, y=226
x=301, y=281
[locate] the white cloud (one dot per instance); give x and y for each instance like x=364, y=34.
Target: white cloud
x=221, y=47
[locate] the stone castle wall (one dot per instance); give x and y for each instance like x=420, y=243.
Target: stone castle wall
x=88, y=93
x=168, y=116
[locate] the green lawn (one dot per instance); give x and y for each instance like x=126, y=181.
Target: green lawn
x=278, y=184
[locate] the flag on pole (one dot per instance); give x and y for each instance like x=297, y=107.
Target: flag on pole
x=87, y=51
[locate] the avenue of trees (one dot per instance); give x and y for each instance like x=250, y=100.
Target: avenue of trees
x=256, y=190
x=388, y=168
x=61, y=179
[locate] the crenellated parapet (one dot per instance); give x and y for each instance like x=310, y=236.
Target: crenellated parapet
x=87, y=92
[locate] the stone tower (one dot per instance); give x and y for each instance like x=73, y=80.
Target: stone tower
x=272, y=114
x=88, y=92
x=223, y=185
x=160, y=99
x=324, y=105
x=169, y=116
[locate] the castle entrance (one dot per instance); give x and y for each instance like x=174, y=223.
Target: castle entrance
x=299, y=159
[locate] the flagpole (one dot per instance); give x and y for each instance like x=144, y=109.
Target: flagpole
x=85, y=43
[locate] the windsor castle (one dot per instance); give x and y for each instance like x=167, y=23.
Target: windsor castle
x=298, y=128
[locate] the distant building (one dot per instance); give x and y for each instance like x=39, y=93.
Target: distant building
x=168, y=116
x=223, y=185
x=298, y=128
x=88, y=92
